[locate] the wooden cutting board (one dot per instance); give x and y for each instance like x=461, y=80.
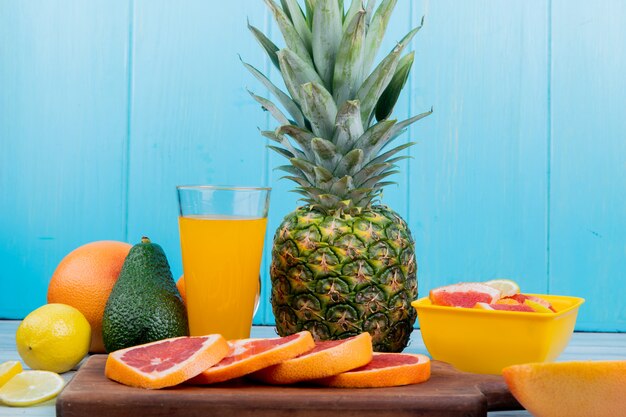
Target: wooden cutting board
x=448, y=393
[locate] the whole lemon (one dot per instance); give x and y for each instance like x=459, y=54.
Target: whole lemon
x=54, y=337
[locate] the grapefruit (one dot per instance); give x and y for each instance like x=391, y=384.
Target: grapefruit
x=84, y=280
x=385, y=370
x=465, y=294
x=166, y=362
x=326, y=359
x=250, y=355
x=570, y=389
x=504, y=307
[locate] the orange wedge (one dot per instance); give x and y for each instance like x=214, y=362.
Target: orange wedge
x=570, y=389
x=250, y=355
x=325, y=359
x=385, y=370
x=167, y=362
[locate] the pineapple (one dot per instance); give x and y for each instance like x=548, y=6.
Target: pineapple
x=343, y=263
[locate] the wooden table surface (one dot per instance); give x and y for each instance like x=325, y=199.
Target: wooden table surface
x=605, y=346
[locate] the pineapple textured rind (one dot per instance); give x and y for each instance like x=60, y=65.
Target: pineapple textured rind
x=341, y=276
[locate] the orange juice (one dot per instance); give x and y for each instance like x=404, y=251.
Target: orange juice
x=221, y=263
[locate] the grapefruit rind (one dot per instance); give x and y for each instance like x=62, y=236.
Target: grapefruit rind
x=583, y=388
x=251, y=362
x=412, y=369
x=212, y=350
x=320, y=362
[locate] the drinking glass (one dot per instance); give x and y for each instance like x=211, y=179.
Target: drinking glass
x=222, y=230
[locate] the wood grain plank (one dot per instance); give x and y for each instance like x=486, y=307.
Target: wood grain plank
x=588, y=170
x=478, y=177
x=192, y=121
x=63, y=72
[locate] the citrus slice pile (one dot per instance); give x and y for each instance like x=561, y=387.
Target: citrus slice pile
x=167, y=362
x=325, y=359
x=250, y=355
x=575, y=388
x=385, y=370
x=31, y=387
x=8, y=370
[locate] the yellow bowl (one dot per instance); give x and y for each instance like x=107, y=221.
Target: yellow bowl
x=486, y=341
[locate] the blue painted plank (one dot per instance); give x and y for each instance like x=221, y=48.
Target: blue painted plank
x=192, y=121
x=401, y=22
x=63, y=72
x=478, y=177
x=588, y=170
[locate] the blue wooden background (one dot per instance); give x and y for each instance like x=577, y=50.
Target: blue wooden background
x=106, y=105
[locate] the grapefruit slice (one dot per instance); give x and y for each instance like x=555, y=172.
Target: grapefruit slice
x=166, y=362
x=465, y=294
x=326, y=359
x=504, y=307
x=572, y=389
x=385, y=370
x=250, y=355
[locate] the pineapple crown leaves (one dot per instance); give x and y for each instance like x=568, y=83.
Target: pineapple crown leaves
x=335, y=115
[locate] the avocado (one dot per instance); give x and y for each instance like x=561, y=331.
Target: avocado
x=144, y=305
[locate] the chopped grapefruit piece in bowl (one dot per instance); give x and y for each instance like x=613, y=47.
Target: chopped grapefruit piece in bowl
x=504, y=307
x=486, y=340
x=465, y=294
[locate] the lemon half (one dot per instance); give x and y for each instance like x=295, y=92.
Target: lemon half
x=31, y=387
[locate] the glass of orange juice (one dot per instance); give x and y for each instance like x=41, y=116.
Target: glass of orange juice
x=222, y=230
